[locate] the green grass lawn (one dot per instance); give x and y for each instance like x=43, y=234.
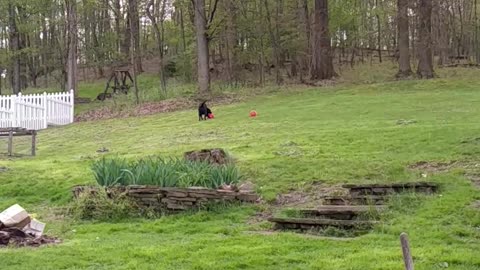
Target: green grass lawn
x=343, y=134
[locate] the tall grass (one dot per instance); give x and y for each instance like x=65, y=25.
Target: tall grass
x=161, y=172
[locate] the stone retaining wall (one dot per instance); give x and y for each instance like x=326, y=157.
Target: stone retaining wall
x=175, y=198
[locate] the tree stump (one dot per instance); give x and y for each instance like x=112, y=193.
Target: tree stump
x=211, y=156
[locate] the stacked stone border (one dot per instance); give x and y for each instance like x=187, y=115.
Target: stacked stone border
x=176, y=199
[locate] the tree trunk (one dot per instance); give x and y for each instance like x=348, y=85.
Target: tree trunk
x=98, y=53
x=203, y=72
x=322, y=63
x=413, y=30
x=182, y=30
x=158, y=35
x=379, y=32
x=275, y=43
x=72, y=45
x=259, y=29
x=232, y=42
x=405, y=69
x=126, y=37
x=15, y=47
x=133, y=58
x=425, y=57
x=118, y=16
x=304, y=26
x=477, y=53
x=184, y=48
x=135, y=32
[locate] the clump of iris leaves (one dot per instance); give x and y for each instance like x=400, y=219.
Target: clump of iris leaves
x=157, y=171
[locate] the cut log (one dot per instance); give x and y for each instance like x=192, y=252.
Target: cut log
x=384, y=191
x=323, y=222
x=341, y=212
x=355, y=200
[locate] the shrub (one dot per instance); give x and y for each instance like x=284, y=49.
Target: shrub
x=99, y=205
x=156, y=171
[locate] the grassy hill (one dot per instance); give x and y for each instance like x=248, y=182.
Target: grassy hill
x=343, y=134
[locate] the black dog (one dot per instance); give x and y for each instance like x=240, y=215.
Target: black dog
x=203, y=111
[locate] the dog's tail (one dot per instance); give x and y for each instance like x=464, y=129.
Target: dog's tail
x=203, y=103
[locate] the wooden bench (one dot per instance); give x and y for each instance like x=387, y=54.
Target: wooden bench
x=15, y=132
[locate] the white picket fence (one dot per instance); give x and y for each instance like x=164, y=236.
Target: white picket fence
x=36, y=111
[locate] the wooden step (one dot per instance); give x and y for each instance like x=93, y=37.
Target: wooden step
x=309, y=223
x=355, y=200
x=388, y=189
x=340, y=212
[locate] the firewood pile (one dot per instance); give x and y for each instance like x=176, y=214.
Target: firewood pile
x=19, y=229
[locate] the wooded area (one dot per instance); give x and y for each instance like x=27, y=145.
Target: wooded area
x=55, y=42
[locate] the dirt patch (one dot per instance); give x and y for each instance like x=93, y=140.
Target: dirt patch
x=149, y=108
x=261, y=216
x=433, y=167
x=18, y=238
x=310, y=196
x=289, y=149
x=403, y=122
x=476, y=205
x=140, y=110
x=471, y=140
x=211, y=156
x=440, y=167
x=475, y=178
x=472, y=168
x=325, y=83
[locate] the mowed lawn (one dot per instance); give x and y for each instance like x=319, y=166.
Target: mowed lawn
x=334, y=135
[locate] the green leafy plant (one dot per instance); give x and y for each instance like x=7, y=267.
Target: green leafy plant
x=110, y=172
x=156, y=171
x=227, y=174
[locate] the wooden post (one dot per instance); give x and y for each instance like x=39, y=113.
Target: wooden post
x=407, y=256
x=10, y=142
x=72, y=108
x=45, y=110
x=34, y=142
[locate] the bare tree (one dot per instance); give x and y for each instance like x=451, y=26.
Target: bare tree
x=133, y=60
x=304, y=26
x=425, y=57
x=201, y=26
x=379, y=31
x=275, y=44
x=15, y=47
x=231, y=29
x=322, y=63
x=134, y=23
x=71, y=45
x=477, y=52
x=159, y=38
x=405, y=69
